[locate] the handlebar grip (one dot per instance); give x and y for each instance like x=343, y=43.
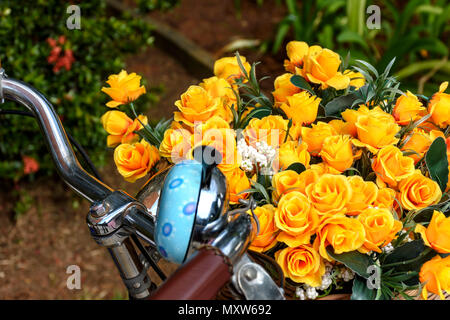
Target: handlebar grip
x=200, y=278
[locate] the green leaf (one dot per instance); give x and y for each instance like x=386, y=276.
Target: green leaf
x=297, y=167
x=360, y=290
x=437, y=163
x=301, y=83
x=339, y=104
x=354, y=260
x=258, y=113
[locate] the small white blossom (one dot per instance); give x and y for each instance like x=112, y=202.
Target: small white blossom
x=347, y=274
x=388, y=248
x=300, y=293
x=311, y=293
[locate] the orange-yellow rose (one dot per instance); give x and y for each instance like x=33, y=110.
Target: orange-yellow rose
x=196, y=104
x=237, y=182
x=337, y=152
x=418, y=191
x=439, y=107
x=302, y=264
x=357, y=80
x=364, y=193
x=296, y=219
x=176, y=144
x=343, y=127
x=321, y=66
x=301, y=107
x=344, y=234
x=124, y=88
x=322, y=168
x=228, y=68
x=391, y=166
x=121, y=128
x=283, y=182
x=408, y=109
x=220, y=88
x=284, y=88
x=315, y=136
x=330, y=194
x=351, y=117
x=435, y=276
x=418, y=142
x=380, y=226
x=271, y=130
x=291, y=152
x=385, y=198
x=133, y=161
x=437, y=234
x=296, y=51
x=267, y=236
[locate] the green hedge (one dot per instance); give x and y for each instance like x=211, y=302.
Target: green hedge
x=99, y=49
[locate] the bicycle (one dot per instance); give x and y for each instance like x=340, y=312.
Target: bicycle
x=212, y=247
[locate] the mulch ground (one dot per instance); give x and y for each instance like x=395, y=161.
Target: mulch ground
x=37, y=247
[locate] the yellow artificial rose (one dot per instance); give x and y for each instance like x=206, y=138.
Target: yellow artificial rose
x=296, y=219
x=418, y=142
x=271, y=130
x=351, y=117
x=284, y=88
x=385, y=198
x=133, y=161
x=121, y=128
x=296, y=51
x=391, y=166
x=439, y=107
x=220, y=88
x=337, y=152
x=291, y=152
x=343, y=127
x=176, y=144
x=228, y=68
x=330, y=194
x=284, y=182
x=344, y=234
x=196, y=104
x=301, y=108
x=408, y=109
x=357, y=80
x=418, y=191
x=435, y=276
x=375, y=133
x=322, y=168
x=315, y=136
x=267, y=236
x=380, y=226
x=321, y=66
x=437, y=234
x=237, y=182
x=364, y=193
x=124, y=88
x=302, y=264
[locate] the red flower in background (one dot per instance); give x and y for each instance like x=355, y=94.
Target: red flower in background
x=30, y=165
x=59, y=57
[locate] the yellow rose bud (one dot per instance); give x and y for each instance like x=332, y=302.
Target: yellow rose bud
x=391, y=166
x=284, y=182
x=380, y=227
x=271, y=130
x=435, y=276
x=228, y=68
x=321, y=66
x=337, y=152
x=291, y=152
x=315, y=136
x=302, y=264
x=344, y=234
x=330, y=194
x=418, y=191
x=133, y=161
x=124, y=88
x=176, y=144
x=301, y=108
x=439, y=107
x=296, y=219
x=408, y=109
x=196, y=104
x=267, y=236
x=237, y=182
x=418, y=141
x=284, y=88
x=296, y=51
x=437, y=234
x=364, y=193
x=121, y=128
x=385, y=198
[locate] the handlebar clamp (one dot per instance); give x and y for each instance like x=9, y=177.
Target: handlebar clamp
x=2, y=76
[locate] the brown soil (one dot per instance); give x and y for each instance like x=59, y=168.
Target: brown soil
x=37, y=247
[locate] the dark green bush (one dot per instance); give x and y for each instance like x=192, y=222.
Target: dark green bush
x=99, y=49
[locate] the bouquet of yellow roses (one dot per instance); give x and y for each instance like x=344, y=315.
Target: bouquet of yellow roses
x=349, y=173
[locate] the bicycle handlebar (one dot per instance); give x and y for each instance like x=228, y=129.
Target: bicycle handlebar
x=64, y=158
